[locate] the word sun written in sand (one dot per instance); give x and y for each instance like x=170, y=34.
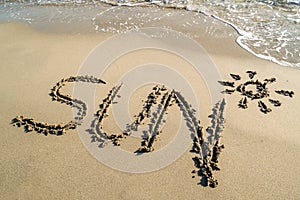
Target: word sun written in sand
x=260, y=92
x=206, y=150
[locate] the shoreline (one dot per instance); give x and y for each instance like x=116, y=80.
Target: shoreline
x=260, y=159
x=88, y=21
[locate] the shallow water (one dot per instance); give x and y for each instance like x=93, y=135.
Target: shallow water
x=267, y=29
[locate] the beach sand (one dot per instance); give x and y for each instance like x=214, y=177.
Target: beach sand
x=260, y=159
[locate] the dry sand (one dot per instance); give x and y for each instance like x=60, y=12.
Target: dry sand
x=260, y=160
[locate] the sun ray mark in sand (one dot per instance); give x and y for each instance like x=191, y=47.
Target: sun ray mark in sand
x=285, y=93
x=31, y=124
x=227, y=83
x=260, y=92
x=251, y=74
x=236, y=77
x=243, y=103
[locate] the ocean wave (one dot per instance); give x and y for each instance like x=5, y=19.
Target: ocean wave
x=267, y=29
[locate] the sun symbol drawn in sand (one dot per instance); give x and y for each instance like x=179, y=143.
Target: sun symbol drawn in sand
x=254, y=90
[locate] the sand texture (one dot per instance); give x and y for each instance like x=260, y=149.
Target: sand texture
x=256, y=155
